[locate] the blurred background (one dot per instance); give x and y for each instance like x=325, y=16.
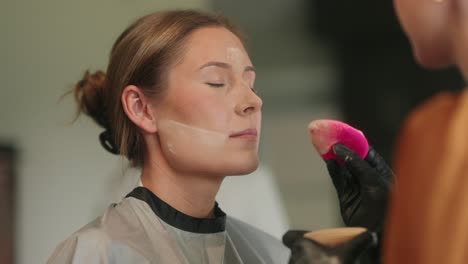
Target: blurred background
x=314, y=59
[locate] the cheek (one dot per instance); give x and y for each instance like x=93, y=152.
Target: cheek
x=208, y=110
x=397, y=4
x=424, y=25
x=429, y=40
x=406, y=15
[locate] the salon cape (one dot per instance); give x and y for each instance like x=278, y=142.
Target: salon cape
x=144, y=229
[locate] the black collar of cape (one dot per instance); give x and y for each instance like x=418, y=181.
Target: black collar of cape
x=178, y=219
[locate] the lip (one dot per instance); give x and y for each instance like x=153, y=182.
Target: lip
x=247, y=133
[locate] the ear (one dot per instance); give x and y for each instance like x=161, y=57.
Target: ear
x=138, y=109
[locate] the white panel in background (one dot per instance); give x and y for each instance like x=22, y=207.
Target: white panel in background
x=64, y=173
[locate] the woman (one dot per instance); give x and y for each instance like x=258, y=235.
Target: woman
x=177, y=101
x=428, y=218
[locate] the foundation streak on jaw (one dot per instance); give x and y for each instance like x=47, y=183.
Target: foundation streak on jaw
x=203, y=136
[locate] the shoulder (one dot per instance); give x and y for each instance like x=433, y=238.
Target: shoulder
x=87, y=244
x=425, y=125
x=233, y=223
x=248, y=236
x=98, y=242
x=435, y=112
x=436, y=108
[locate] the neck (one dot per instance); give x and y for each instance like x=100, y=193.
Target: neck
x=193, y=195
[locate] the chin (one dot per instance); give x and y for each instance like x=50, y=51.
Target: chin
x=431, y=58
x=432, y=63
x=243, y=167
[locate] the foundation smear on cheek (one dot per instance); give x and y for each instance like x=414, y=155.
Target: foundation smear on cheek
x=182, y=137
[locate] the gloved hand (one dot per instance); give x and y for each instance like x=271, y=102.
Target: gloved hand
x=304, y=250
x=362, y=186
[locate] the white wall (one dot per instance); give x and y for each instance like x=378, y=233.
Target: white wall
x=46, y=45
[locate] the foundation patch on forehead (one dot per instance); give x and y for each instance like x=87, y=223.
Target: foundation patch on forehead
x=234, y=55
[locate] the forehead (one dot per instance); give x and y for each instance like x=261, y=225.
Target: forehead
x=215, y=43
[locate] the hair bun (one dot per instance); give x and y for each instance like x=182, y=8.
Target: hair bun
x=90, y=96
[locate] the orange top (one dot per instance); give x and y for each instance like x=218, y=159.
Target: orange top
x=428, y=217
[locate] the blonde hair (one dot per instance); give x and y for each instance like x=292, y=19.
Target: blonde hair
x=141, y=56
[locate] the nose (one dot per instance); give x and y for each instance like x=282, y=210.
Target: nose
x=249, y=103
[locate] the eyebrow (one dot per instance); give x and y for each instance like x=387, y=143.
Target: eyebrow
x=225, y=66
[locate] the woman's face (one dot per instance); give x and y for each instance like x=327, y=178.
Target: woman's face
x=426, y=25
x=209, y=120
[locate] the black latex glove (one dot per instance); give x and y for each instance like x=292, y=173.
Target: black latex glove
x=362, y=186
x=305, y=251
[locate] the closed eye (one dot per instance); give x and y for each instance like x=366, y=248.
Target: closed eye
x=215, y=84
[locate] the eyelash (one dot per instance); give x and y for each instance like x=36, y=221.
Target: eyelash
x=216, y=84
x=219, y=85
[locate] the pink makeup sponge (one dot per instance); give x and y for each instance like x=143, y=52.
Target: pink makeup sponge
x=326, y=133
